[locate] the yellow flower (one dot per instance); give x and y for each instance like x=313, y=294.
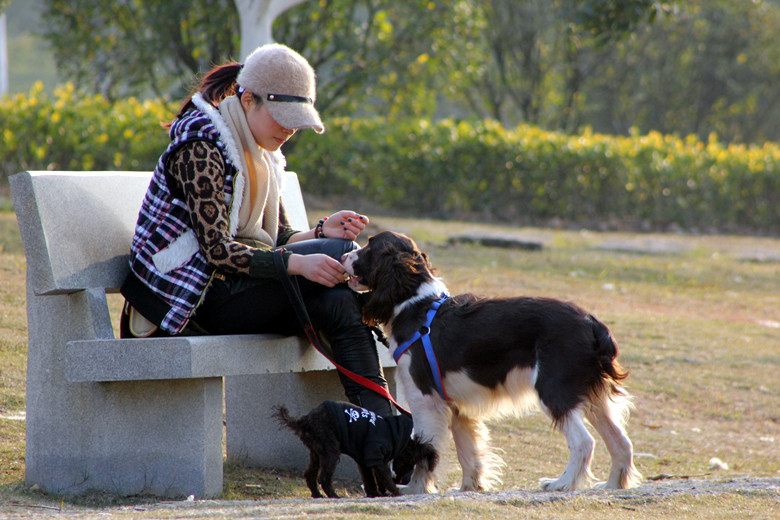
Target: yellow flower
x=8, y=137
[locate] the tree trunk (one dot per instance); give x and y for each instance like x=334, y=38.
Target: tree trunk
x=3, y=57
x=256, y=19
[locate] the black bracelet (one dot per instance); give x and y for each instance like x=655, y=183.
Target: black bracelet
x=318, y=233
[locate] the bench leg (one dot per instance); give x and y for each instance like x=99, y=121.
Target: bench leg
x=158, y=437
x=152, y=437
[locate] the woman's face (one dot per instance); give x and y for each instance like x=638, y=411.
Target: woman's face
x=268, y=134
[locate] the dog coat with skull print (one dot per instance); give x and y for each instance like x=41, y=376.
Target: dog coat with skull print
x=369, y=438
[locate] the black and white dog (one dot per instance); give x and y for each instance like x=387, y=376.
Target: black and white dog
x=373, y=441
x=495, y=356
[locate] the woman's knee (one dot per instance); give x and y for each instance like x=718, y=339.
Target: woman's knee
x=333, y=247
x=336, y=307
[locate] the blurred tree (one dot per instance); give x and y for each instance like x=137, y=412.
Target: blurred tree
x=671, y=66
x=362, y=49
x=130, y=47
x=714, y=67
x=541, y=53
x=378, y=56
x=256, y=17
x=609, y=20
x=3, y=48
x=383, y=49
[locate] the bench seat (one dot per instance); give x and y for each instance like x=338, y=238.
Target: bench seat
x=193, y=357
x=190, y=357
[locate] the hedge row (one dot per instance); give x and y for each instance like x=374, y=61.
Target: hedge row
x=69, y=131
x=458, y=169
x=446, y=169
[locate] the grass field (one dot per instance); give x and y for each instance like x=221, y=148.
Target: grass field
x=698, y=324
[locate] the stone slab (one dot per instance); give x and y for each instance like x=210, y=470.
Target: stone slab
x=759, y=255
x=156, y=437
x=645, y=246
x=496, y=240
x=64, y=215
x=159, y=437
x=189, y=357
x=102, y=360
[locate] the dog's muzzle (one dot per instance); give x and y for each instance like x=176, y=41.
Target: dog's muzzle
x=355, y=282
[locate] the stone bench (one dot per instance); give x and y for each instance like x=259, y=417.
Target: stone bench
x=133, y=416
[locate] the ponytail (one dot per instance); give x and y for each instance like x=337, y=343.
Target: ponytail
x=216, y=85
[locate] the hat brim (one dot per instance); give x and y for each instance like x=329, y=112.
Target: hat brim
x=295, y=116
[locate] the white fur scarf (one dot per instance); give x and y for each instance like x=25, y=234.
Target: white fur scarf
x=258, y=217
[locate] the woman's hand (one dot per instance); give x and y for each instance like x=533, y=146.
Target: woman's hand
x=344, y=224
x=318, y=268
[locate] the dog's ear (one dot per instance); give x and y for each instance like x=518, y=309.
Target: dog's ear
x=395, y=274
x=426, y=263
x=415, y=262
x=386, y=286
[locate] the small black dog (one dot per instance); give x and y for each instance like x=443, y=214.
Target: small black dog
x=333, y=428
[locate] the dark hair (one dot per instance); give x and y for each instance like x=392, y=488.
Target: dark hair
x=214, y=86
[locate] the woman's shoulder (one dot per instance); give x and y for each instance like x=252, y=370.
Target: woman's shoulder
x=193, y=123
x=200, y=150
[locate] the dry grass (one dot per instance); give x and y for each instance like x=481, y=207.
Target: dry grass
x=699, y=330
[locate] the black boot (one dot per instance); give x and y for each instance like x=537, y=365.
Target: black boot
x=373, y=401
x=337, y=315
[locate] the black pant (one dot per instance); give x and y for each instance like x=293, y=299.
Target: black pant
x=242, y=305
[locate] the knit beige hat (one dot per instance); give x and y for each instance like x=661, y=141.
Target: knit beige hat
x=285, y=81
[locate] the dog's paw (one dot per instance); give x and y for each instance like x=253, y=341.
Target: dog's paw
x=418, y=489
x=554, y=484
x=408, y=490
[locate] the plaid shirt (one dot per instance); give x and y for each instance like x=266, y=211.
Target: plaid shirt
x=164, y=220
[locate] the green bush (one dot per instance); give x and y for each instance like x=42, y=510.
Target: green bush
x=69, y=131
x=446, y=169
x=528, y=175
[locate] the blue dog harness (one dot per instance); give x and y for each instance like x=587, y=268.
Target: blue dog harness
x=424, y=334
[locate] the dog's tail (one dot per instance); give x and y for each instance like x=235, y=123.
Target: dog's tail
x=607, y=351
x=285, y=420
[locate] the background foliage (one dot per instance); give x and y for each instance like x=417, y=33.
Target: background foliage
x=120, y=49
x=528, y=175
x=71, y=131
x=491, y=109
x=681, y=67
x=449, y=169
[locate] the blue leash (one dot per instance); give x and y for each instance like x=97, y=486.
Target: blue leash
x=424, y=334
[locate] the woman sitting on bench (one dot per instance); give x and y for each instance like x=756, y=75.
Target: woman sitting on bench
x=202, y=256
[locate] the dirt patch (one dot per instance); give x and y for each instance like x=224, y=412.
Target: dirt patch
x=409, y=506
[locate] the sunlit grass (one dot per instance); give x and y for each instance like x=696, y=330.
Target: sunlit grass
x=699, y=331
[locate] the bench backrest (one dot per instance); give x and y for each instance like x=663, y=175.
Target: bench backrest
x=77, y=226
